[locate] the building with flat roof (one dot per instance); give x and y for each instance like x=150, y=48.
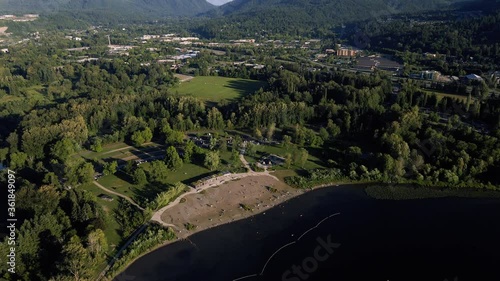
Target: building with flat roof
x=345, y=52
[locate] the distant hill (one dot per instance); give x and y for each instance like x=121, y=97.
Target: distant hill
x=343, y=10
x=311, y=17
x=140, y=8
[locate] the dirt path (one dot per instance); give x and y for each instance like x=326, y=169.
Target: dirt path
x=245, y=163
x=119, y=195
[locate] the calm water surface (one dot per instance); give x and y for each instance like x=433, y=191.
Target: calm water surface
x=414, y=240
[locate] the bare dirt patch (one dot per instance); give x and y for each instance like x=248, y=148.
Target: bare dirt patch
x=3, y=30
x=183, y=78
x=226, y=203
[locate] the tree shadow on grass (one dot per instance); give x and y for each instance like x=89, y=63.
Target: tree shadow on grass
x=148, y=192
x=245, y=87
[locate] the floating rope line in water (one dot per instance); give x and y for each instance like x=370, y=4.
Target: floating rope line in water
x=284, y=246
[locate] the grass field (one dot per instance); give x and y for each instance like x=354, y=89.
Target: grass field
x=109, y=207
x=262, y=150
x=441, y=95
x=214, y=89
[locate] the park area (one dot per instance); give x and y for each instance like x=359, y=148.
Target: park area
x=215, y=89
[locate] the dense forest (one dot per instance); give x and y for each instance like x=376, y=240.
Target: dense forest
x=54, y=111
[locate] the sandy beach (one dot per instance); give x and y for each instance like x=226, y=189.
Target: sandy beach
x=226, y=203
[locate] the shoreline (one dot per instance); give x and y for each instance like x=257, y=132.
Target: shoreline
x=188, y=234
x=297, y=193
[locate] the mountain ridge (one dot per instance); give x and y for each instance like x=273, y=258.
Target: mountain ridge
x=124, y=7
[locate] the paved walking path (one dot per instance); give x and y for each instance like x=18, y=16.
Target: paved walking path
x=119, y=195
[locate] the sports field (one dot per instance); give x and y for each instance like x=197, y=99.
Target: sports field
x=214, y=89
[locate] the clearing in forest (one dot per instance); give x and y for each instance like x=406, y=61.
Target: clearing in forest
x=214, y=88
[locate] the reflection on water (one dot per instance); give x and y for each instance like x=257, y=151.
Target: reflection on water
x=417, y=240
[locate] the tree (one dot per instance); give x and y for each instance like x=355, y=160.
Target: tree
x=251, y=149
x=175, y=137
x=97, y=244
x=172, y=159
x=158, y=171
x=110, y=168
x=3, y=154
x=333, y=129
x=96, y=144
x=323, y=133
x=257, y=133
x=301, y=157
x=51, y=178
x=288, y=160
x=235, y=155
x=270, y=131
x=354, y=153
x=139, y=177
x=212, y=160
x=86, y=173
x=215, y=119
x=141, y=137
x=189, y=151
x=77, y=260
x=287, y=141
x=18, y=160
x=213, y=143
x=223, y=145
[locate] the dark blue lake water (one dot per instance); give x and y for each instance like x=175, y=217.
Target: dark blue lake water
x=414, y=240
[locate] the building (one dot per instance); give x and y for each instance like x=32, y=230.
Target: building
x=5, y=51
x=426, y=75
x=244, y=41
x=344, y=52
x=473, y=77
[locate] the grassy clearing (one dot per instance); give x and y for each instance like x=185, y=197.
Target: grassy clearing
x=112, y=231
x=120, y=150
x=262, y=150
x=214, y=89
x=441, y=95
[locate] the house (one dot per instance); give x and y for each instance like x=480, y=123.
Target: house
x=5, y=51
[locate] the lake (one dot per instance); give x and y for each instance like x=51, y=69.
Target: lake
x=414, y=240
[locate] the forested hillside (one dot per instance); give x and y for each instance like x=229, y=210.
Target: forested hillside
x=313, y=17
x=116, y=7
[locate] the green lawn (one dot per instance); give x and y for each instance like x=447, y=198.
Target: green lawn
x=312, y=161
x=441, y=95
x=214, y=89
x=187, y=174
x=117, y=184
x=109, y=207
x=119, y=150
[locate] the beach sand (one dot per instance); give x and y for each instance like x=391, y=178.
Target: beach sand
x=226, y=203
